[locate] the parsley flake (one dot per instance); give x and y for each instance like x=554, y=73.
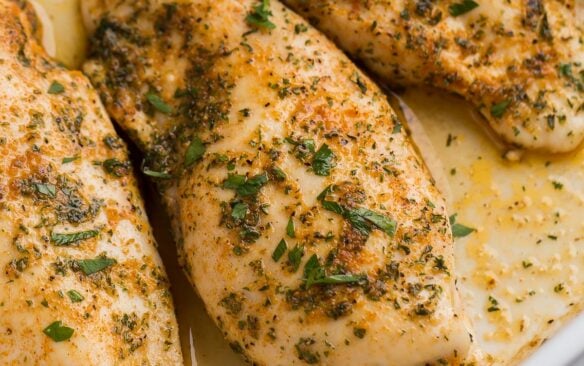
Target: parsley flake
x=58, y=332
x=158, y=103
x=280, y=250
x=260, y=14
x=56, y=88
x=154, y=174
x=290, y=230
x=497, y=110
x=46, y=189
x=323, y=161
x=459, y=230
x=91, y=266
x=245, y=186
x=239, y=211
x=69, y=159
x=75, y=296
x=295, y=256
x=463, y=7
x=64, y=239
x=195, y=151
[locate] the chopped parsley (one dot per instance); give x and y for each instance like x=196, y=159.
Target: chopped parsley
x=46, y=189
x=75, y=296
x=245, y=186
x=239, y=211
x=383, y=223
x=323, y=161
x=154, y=174
x=259, y=17
x=463, y=7
x=290, y=230
x=158, y=103
x=494, y=305
x=295, y=256
x=497, y=110
x=459, y=230
x=56, y=88
x=396, y=128
x=195, y=151
x=314, y=274
x=280, y=250
x=278, y=173
x=69, y=159
x=58, y=332
x=64, y=239
x=91, y=266
x=362, y=219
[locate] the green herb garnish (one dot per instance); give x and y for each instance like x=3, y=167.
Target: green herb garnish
x=290, y=231
x=64, y=239
x=75, y=296
x=158, y=103
x=323, y=161
x=383, y=223
x=362, y=219
x=58, y=332
x=459, y=230
x=280, y=250
x=244, y=186
x=195, y=151
x=463, y=7
x=46, y=189
x=56, y=88
x=91, y=266
x=69, y=159
x=295, y=256
x=314, y=274
x=152, y=173
x=239, y=211
x=497, y=110
x=278, y=173
x=260, y=14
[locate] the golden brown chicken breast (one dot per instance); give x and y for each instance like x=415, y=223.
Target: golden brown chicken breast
x=303, y=216
x=521, y=63
x=81, y=280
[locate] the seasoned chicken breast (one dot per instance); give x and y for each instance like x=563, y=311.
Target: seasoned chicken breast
x=521, y=63
x=81, y=280
x=303, y=216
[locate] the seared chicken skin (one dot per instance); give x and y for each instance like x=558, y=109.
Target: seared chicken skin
x=302, y=214
x=81, y=280
x=521, y=63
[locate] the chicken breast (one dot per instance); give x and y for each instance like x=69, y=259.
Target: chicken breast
x=302, y=214
x=521, y=63
x=81, y=280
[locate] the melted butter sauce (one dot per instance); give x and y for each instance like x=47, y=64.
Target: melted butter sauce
x=527, y=252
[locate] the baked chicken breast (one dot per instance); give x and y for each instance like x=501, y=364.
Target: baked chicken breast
x=302, y=214
x=520, y=63
x=81, y=280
